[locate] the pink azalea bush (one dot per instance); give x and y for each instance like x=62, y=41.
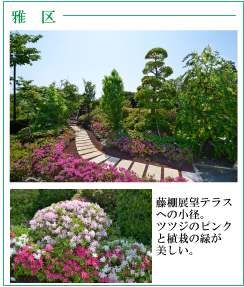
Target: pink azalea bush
x=71, y=246
x=50, y=161
x=45, y=155
x=142, y=147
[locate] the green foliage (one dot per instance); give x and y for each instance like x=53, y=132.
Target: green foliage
x=48, y=196
x=129, y=95
x=21, y=150
x=84, y=119
x=127, y=104
x=105, y=198
x=208, y=111
x=97, y=103
x=155, y=92
x=141, y=126
x=20, y=229
x=125, y=112
x=134, y=118
x=70, y=94
x=18, y=112
x=45, y=105
x=163, y=122
x=53, y=130
x=134, y=214
x=19, y=54
x=88, y=97
x=112, y=99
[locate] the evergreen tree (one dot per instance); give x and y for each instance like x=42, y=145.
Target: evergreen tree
x=154, y=92
x=112, y=99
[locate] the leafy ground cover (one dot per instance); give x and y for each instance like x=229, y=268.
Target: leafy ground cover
x=43, y=157
x=79, y=241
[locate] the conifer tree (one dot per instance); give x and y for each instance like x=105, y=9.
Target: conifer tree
x=155, y=93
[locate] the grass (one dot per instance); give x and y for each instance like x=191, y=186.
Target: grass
x=21, y=202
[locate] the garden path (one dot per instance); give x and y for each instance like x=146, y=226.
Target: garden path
x=86, y=149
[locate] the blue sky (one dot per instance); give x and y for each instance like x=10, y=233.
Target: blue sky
x=91, y=55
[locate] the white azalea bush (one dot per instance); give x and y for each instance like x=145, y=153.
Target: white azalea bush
x=77, y=222
x=71, y=246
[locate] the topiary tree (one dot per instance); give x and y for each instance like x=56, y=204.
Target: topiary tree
x=112, y=99
x=154, y=93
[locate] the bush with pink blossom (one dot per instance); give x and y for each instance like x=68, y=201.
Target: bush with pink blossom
x=68, y=243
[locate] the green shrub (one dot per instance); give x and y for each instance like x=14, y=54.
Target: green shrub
x=105, y=198
x=84, y=119
x=127, y=103
x=48, y=196
x=141, y=127
x=125, y=112
x=134, y=214
x=40, y=133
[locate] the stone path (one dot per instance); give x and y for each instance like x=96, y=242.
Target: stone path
x=87, y=150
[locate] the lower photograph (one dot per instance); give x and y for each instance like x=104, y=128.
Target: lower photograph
x=81, y=236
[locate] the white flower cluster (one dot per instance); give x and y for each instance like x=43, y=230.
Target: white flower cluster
x=124, y=262
x=16, y=242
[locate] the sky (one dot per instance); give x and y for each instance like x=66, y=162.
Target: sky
x=90, y=55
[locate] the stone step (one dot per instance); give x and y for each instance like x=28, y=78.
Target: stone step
x=170, y=172
x=124, y=164
x=91, y=155
x=81, y=135
x=82, y=139
x=138, y=168
x=101, y=158
x=88, y=151
x=83, y=144
x=85, y=151
x=112, y=161
x=84, y=147
x=155, y=171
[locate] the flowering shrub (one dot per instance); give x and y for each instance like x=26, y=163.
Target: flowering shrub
x=45, y=157
x=77, y=222
x=135, y=144
x=115, y=261
x=51, y=162
x=69, y=245
x=81, y=198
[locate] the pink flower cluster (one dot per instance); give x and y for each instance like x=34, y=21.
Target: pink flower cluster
x=80, y=266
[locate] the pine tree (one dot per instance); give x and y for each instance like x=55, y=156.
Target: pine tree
x=155, y=93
